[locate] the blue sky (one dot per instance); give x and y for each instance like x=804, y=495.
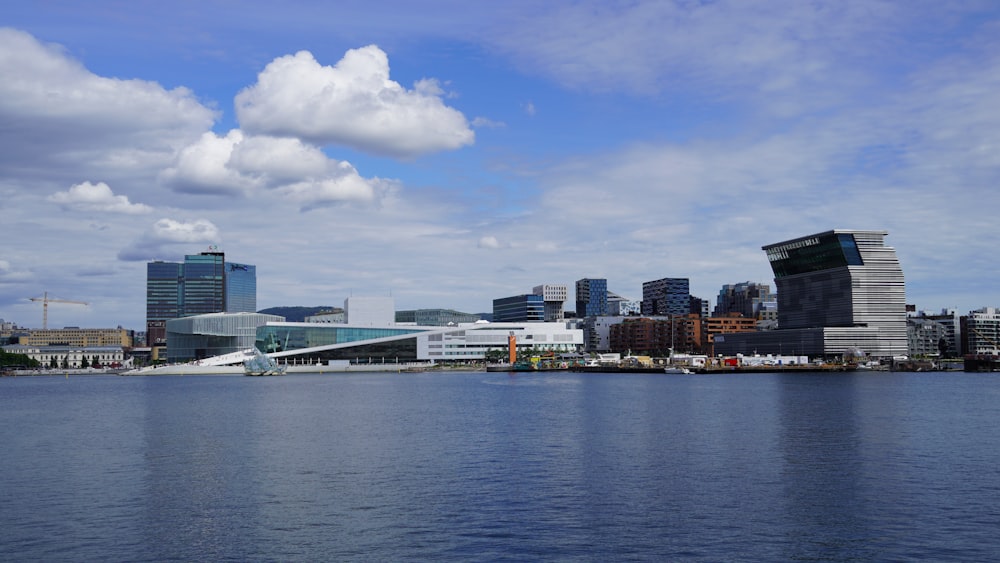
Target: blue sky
x=449, y=153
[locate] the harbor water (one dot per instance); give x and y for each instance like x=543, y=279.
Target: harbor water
x=477, y=466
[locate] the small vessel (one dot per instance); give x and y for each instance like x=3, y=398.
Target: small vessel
x=676, y=370
x=262, y=364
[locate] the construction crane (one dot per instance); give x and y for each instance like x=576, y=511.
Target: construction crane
x=45, y=306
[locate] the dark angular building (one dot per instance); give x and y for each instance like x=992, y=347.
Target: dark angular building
x=838, y=291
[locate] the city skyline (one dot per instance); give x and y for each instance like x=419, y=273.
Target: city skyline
x=516, y=145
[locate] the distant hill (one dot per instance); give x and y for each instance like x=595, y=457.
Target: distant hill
x=296, y=314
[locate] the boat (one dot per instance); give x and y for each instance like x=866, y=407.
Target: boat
x=676, y=370
x=262, y=364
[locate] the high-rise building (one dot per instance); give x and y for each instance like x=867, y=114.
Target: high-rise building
x=202, y=284
x=163, y=299
x=591, y=297
x=553, y=296
x=839, y=291
x=667, y=296
x=241, y=288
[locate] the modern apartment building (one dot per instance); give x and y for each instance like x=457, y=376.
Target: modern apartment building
x=591, y=297
x=838, y=291
x=666, y=296
x=553, y=297
x=981, y=332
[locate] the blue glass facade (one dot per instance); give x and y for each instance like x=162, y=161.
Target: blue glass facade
x=204, y=284
x=241, y=288
x=591, y=297
x=519, y=308
x=277, y=337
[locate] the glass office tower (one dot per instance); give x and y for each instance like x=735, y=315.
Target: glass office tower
x=204, y=284
x=163, y=299
x=241, y=288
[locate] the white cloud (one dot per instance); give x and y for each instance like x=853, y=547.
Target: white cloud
x=489, y=242
x=203, y=167
x=60, y=119
x=353, y=103
x=97, y=197
x=241, y=164
x=487, y=122
x=162, y=239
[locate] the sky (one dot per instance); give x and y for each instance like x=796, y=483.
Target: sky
x=448, y=153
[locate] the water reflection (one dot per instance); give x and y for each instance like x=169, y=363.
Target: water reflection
x=823, y=475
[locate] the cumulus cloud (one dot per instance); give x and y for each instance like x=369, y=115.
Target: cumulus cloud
x=97, y=197
x=353, y=103
x=239, y=164
x=203, y=167
x=160, y=239
x=59, y=118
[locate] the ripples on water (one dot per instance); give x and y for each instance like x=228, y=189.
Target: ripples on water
x=486, y=466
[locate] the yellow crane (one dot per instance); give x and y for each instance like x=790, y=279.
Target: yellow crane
x=45, y=299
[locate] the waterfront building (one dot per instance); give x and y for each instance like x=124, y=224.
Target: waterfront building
x=838, y=291
x=981, y=332
x=213, y=334
x=925, y=337
x=666, y=296
x=597, y=332
x=80, y=337
x=435, y=317
x=948, y=319
x=74, y=357
x=591, y=297
x=519, y=308
x=729, y=323
x=690, y=334
x=553, y=297
x=321, y=343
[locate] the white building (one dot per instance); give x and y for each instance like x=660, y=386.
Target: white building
x=553, y=295
x=370, y=311
x=473, y=341
x=71, y=356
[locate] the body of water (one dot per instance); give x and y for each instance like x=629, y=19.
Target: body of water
x=493, y=466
